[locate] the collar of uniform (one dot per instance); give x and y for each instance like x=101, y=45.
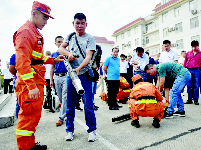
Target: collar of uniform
x=113, y=57
x=31, y=25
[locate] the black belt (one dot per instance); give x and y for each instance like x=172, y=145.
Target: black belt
x=36, y=62
x=139, y=71
x=145, y=97
x=60, y=74
x=193, y=68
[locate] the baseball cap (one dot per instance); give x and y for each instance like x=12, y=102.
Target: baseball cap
x=43, y=8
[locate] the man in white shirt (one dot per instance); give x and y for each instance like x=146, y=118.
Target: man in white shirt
x=123, y=66
x=8, y=77
x=182, y=58
x=167, y=55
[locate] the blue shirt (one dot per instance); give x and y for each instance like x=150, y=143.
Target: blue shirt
x=59, y=67
x=13, y=62
x=101, y=70
x=157, y=61
x=113, y=68
x=143, y=61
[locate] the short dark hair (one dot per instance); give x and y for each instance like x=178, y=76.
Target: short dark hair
x=58, y=37
x=80, y=16
x=115, y=48
x=148, y=66
x=147, y=52
x=122, y=55
x=194, y=43
x=183, y=51
x=166, y=42
x=137, y=81
x=140, y=49
x=129, y=56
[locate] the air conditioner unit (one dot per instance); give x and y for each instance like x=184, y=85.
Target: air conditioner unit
x=194, y=11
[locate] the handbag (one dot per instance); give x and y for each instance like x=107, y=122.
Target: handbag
x=92, y=73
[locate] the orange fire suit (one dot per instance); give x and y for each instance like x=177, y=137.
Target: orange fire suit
x=29, y=46
x=145, y=100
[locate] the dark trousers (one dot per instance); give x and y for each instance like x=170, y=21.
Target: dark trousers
x=48, y=89
x=6, y=85
x=113, y=89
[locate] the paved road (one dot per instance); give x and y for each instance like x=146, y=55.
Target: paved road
x=179, y=133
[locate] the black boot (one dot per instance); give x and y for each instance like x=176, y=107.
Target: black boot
x=156, y=123
x=135, y=123
x=39, y=147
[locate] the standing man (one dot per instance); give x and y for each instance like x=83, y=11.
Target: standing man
x=112, y=69
x=101, y=77
x=167, y=55
x=182, y=58
x=193, y=63
x=80, y=65
x=60, y=72
x=8, y=77
x=130, y=71
x=151, y=61
x=139, y=61
x=28, y=43
x=123, y=66
x=180, y=76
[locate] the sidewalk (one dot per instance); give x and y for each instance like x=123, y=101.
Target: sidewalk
x=179, y=133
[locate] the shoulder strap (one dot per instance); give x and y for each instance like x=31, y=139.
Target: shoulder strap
x=70, y=36
x=79, y=46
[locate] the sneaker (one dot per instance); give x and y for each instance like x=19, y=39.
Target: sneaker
x=180, y=114
x=188, y=102
x=92, y=136
x=168, y=116
x=39, y=147
x=69, y=136
x=196, y=103
x=78, y=109
x=135, y=123
x=156, y=123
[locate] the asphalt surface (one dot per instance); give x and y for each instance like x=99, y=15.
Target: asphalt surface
x=179, y=133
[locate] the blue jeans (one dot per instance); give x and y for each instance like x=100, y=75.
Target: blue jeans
x=94, y=87
x=175, y=93
x=88, y=104
x=193, y=85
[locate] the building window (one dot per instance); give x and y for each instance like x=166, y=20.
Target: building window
x=122, y=36
x=164, y=17
x=123, y=46
x=117, y=38
x=193, y=5
x=196, y=38
x=165, y=32
x=178, y=27
x=179, y=44
x=136, y=30
x=137, y=42
x=129, y=33
x=147, y=40
x=129, y=44
x=194, y=22
x=177, y=11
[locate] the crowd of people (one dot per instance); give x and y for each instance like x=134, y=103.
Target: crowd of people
x=169, y=72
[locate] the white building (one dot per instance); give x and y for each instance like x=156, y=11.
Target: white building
x=174, y=20
x=106, y=46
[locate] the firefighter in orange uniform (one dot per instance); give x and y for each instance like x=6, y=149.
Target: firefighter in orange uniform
x=146, y=101
x=30, y=75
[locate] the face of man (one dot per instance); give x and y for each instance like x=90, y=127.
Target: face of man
x=183, y=54
x=80, y=26
x=58, y=42
x=139, y=54
x=167, y=47
x=40, y=20
x=152, y=71
x=122, y=58
x=115, y=53
x=129, y=59
x=195, y=48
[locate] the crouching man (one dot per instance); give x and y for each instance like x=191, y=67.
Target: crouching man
x=145, y=101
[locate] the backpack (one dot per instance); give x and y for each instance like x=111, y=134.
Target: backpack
x=96, y=56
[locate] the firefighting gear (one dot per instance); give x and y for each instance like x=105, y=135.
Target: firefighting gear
x=145, y=100
x=123, y=93
x=123, y=83
x=136, y=77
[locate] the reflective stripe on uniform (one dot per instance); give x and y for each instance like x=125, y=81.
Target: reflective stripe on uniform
x=36, y=54
x=33, y=70
x=27, y=76
x=126, y=90
x=24, y=132
x=45, y=58
x=139, y=86
x=124, y=80
x=145, y=101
